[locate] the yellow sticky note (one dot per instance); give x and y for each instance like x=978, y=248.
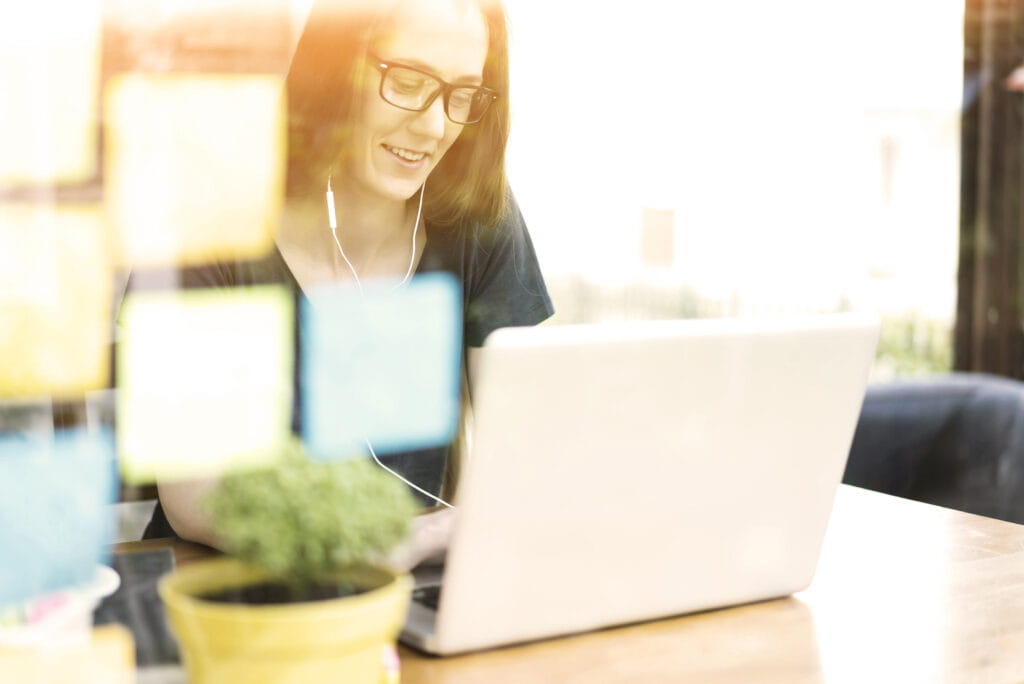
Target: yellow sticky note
x=194, y=165
x=204, y=381
x=55, y=300
x=49, y=77
x=108, y=657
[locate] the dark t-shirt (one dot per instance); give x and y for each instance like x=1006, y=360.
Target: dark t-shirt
x=501, y=286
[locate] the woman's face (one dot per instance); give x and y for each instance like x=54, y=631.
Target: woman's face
x=394, y=150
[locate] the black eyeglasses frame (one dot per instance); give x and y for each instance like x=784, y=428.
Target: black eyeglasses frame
x=445, y=90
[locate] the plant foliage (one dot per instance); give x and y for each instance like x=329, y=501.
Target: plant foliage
x=303, y=521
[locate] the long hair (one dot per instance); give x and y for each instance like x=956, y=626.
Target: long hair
x=468, y=185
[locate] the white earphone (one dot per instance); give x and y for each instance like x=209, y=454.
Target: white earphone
x=332, y=220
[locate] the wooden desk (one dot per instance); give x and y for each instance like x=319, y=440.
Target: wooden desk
x=184, y=552
x=905, y=592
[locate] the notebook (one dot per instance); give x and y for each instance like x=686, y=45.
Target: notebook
x=630, y=471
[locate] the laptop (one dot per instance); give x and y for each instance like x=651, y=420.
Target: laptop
x=631, y=471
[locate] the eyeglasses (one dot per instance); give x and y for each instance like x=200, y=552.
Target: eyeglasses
x=414, y=90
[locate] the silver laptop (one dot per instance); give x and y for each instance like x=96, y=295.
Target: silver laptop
x=630, y=471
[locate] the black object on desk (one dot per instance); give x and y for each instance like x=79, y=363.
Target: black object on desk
x=137, y=605
x=954, y=440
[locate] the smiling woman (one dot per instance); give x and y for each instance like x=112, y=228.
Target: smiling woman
x=342, y=107
x=398, y=122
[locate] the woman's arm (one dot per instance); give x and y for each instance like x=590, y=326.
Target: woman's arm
x=183, y=504
x=427, y=541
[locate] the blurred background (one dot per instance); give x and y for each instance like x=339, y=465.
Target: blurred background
x=703, y=159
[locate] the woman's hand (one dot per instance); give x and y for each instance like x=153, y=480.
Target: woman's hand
x=427, y=542
x=183, y=505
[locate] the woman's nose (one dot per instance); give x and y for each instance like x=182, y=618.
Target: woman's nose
x=431, y=121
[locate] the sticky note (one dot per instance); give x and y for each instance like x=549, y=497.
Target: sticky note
x=55, y=518
x=106, y=657
x=194, y=165
x=204, y=381
x=49, y=77
x=56, y=283
x=384, y=367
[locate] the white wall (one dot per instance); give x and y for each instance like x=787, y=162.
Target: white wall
x=757, y=124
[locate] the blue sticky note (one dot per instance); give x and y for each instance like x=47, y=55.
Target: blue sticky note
x=55, y=519
x=382, y=366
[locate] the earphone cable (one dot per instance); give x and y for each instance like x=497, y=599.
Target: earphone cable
x=417, y=488
x=333, y=222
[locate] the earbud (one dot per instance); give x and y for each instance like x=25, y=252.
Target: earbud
x=332, y=219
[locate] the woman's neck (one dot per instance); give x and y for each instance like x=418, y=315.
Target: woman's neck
x=375, y=234
x=370, y=225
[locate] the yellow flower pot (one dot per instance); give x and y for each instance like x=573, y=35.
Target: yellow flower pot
x=332, y=640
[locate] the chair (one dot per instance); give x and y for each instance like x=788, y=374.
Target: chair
x=955, y=440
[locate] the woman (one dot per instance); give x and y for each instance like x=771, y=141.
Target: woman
x=398, y=121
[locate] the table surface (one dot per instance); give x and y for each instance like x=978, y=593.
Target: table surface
x=904, y=592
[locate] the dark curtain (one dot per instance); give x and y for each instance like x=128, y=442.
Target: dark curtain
x=989, y=336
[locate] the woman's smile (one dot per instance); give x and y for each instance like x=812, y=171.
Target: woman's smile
x=405, y=156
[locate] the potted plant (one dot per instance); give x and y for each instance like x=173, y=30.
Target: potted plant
x=303, y=595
